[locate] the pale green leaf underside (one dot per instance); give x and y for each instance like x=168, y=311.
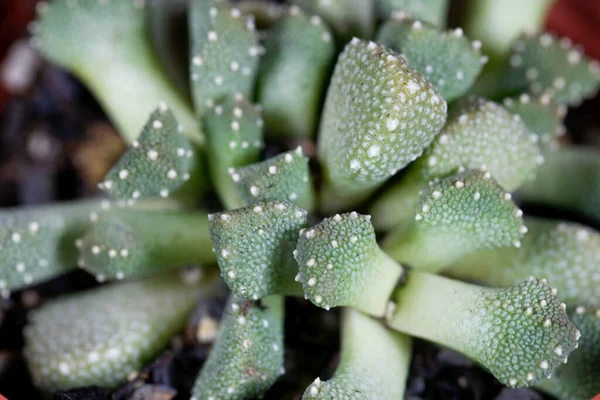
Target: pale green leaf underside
x=105, y=44
x=374, y=362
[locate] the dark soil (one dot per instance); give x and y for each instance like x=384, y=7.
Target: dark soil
x=56, y=144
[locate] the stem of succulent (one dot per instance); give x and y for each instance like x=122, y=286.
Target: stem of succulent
x=374, y=362
x=578, y=380
x=565, y=253
x=134, y=243
x=101, y=336
x=570, y=180
x=105, y=45
x=456, y=217
x=490, y=326
x=38, y=243
x=247, y=356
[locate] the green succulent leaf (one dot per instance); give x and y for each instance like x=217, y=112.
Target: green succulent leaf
x=446, y=58
x=482, y=133
x=478, y=134
x=521, y=334
x=284, y=177
x=567, y=254
x=100, y=336
x=570, y=180
x=348, y=18
x=159, y=162
x=542, y=117
x=134, y=243
x=543, y=63
x=379, y=115
x=367, y=345
x=224, y=53
x=247, y=356
x=431, y=11
x=340, y=264
x=293, y=74
x=456, y=217
x=38, y=243
x=578, y=379
x=254, y=248
x=105, y=44
x=234, y=138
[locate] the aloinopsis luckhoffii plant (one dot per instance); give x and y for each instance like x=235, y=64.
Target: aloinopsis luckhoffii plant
x=392, y=171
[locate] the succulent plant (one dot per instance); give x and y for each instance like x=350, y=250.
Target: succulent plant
x=341, y=264
x=289, y=113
